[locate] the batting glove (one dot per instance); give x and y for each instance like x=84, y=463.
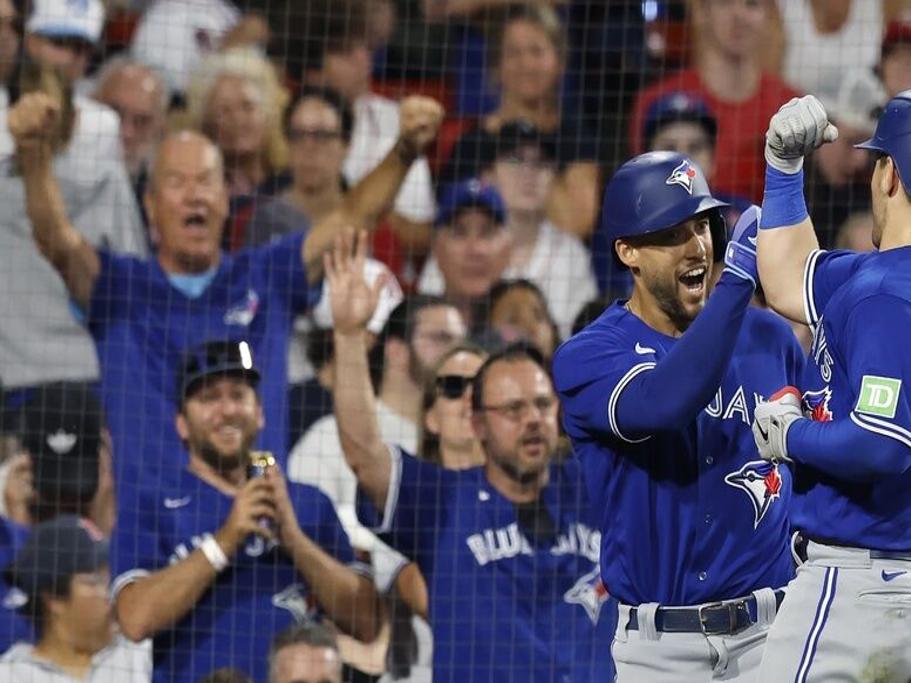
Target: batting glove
x=799, y=127
x=771, y=421
x=740, y=254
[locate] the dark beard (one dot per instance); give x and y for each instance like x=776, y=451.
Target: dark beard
x=669, y=303
x=510, y=470
x=221, y=462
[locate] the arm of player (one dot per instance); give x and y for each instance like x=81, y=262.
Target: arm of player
x=645, y=397
x=874, y=439
x=160, y=599
x=787, y=238
x=374, y=194
x=30, y=123
x=348, y=598
x=353, y=303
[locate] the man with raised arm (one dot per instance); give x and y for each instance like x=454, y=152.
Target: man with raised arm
x=846, y=433
x=143, y=314
x=508, y=549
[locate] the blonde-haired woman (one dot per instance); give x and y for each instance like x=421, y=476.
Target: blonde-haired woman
x=236, y=99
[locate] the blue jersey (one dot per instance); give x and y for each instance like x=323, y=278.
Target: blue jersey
x=258, y=595
x=13, y=626
x=859, y=306
x=503, y=606
x=142, y=325
x=687, y=515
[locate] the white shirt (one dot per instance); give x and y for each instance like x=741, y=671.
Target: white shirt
x=317, y=459
x=173, y=36
x=815, y=62
x=120, y=662
x=559, y=264
x=40, y=338
x=376, y=129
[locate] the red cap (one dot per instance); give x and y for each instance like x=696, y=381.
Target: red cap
x=897, y=32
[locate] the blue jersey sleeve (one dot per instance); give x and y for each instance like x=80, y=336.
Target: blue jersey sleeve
x=417, y=495
x=136, y=548
x=610, y=385
x=283, y=262
x=874, y=440
x=824, y=273
x=318, y=519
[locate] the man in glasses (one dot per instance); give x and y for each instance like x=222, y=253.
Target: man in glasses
x=509, y=550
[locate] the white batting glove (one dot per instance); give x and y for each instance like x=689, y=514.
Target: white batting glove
x=796, y=129
x=771, y=421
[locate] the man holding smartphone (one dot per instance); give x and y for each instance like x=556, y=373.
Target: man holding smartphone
x=212, y=568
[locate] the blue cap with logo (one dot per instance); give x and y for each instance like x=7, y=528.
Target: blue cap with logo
x=470, y=194
x=678, y=106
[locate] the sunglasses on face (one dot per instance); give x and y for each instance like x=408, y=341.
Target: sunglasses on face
x=453, y=386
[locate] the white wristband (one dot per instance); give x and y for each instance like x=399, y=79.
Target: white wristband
x=214, y=554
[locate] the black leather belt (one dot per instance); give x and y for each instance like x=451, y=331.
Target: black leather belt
x=712, y=619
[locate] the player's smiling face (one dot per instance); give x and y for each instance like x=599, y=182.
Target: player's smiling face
x=219, y=422
x=187, y=203
x=518, y=423
x=671, y=271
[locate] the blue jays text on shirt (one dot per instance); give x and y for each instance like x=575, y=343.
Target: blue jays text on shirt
x=491, y=545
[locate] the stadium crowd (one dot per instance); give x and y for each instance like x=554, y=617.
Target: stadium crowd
x=190, y=191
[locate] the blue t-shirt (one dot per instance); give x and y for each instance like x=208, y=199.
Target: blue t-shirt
x=142, y=326
x=258, y=595
x=503, y=607
x=859, y=306
x=13, y=626
x=691, y=515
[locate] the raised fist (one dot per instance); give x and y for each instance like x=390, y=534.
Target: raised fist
x=796, y=129
x=33, y=119
x=420, y=119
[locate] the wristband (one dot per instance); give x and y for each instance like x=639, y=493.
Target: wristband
x=214, y=554
x=783, y=202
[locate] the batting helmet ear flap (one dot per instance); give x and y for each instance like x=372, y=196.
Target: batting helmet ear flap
x=718, y=226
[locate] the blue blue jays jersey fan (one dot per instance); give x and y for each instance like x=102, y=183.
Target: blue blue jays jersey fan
x=690, y=513
x=852, y=480
x=505, y=604
x=142, y=324
x=258, y=595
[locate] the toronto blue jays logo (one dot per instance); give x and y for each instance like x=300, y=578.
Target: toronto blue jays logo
x=243, y=312
x=761, y=481
x=683, y=175
x=589, y=592
x=816, y=405
x=296, y=600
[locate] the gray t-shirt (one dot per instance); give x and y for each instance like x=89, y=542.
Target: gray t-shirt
x=41, y=339
x=120, y=662
x=274, y=218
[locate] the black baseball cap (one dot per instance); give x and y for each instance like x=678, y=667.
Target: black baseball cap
x=56, y=550
x=227, y=358
x=520, y=133
x=61, y=430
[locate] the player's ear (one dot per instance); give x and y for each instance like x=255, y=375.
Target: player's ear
x=889, y=181
x=180, y=424
x=627, y=253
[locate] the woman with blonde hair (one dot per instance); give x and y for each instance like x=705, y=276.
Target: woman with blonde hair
x=236, y=99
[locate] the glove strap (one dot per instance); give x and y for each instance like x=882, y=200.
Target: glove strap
x=783, y=203
x=740, y=260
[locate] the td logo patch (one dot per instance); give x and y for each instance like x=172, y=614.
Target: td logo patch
x=878, y=396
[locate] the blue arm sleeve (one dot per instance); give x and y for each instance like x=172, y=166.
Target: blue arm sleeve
x=874, y=439
x=683, y=383
x=608, y=388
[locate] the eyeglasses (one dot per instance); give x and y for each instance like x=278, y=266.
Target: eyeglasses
x=320, y=136
x=518, y=410
x=453, y=386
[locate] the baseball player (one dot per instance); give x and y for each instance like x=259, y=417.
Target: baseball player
x=847, y=436
x=658, y=396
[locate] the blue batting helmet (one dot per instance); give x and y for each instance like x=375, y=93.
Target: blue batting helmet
x=893, y=135
x=656, y=191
